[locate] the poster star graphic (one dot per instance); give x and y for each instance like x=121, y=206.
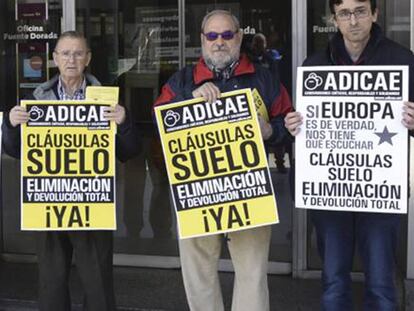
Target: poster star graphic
x=385, y=136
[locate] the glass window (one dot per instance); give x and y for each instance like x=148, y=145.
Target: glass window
x=393, y=17
x=271, y=18
x=29, y=32
x=396, y=21
x=135, y=45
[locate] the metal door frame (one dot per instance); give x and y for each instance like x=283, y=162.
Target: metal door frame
x=299, y=217
x=410, y=230
x=68, y=15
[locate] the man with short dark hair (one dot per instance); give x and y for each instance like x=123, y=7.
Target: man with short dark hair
x=358, y=42
x=220, y=69
x=93, y=249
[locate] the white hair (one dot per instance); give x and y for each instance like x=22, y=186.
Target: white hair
x=236, y=22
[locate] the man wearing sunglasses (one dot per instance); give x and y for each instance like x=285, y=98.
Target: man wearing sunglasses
x=220, y=69
x=358, y=42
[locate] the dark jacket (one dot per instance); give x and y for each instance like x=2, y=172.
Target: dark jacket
x=269, y=59
x=245, y=75
x=379, y=51
x=127, y=140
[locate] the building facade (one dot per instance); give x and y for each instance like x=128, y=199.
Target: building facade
x=138, y=45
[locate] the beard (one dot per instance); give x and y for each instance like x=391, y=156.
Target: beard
x=220, y=60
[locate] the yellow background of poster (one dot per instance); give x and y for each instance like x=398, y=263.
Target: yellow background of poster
x=223, y=217
x=235, y=147
x=80, y=163
x=262, y=211
x=260, y=105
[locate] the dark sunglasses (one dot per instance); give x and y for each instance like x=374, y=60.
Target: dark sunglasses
x=226, y=35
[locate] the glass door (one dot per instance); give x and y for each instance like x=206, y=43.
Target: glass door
x=135, y=45
x=29, y=32
x=138, y=45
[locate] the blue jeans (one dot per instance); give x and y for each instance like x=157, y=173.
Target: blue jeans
x=375, y=236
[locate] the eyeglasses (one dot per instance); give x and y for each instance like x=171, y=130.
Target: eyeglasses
x=66, y=55
x=213, y=36
x=345, y=15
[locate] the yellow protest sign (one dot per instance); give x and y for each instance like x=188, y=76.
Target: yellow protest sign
x=102, y=93
x=260, y=105
x=216, y=165
x=67, y=167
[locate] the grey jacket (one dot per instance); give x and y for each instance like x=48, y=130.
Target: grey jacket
x=128, y=142
x=48, y=89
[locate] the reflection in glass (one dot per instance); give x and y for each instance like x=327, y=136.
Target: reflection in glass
x=135, y=46
x=28, y=37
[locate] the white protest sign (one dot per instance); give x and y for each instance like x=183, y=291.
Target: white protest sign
x=352, y=150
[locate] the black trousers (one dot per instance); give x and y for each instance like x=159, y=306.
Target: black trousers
x=93, y=258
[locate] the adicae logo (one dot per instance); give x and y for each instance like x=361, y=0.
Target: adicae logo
x=171, y=118
x=35, y=113
x=313, y=81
